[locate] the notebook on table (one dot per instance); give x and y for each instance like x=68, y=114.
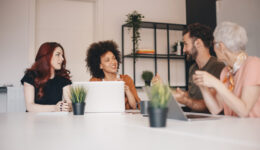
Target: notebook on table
x=104, y=96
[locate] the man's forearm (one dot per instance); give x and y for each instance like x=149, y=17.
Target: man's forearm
x=196, y=105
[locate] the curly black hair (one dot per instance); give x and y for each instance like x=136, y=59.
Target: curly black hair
x=202, y=32
x=95, y=51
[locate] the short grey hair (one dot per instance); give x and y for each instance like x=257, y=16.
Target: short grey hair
x=232, y=35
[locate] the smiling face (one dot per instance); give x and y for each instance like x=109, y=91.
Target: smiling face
x=108, y=63
x=189, y=48
x=57, y=58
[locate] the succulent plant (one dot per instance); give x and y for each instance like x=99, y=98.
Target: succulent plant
x=78, y=94
x=159, y=95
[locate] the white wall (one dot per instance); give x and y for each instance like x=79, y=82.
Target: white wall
x=247, y=14
x=69, y=23
x=115, y=11
x=14, y=40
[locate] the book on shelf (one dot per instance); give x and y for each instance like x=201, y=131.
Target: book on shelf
x=145, y=51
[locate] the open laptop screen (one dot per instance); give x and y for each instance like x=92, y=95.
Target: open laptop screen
x=175, y=112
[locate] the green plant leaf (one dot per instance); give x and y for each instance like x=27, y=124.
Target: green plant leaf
x=147, y=75
x=134, y=19
x=159, y=95
x=78, y=94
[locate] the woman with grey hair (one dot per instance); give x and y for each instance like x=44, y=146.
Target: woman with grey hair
x=238, y=90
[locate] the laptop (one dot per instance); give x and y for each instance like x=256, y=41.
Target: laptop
x=104, y=96
x=176, y=112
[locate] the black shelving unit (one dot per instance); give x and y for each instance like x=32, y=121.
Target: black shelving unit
x=155, y=56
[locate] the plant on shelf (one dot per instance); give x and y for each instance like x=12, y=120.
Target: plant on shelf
x=147, y=77
x=159, y=96
x=134, y=19
x=78, y=96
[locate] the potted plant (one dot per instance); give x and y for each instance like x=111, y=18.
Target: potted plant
x=159, y=96
x=147, y=77
x=134, y=20
x=78, y=95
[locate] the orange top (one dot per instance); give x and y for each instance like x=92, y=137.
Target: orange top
x=129, y=82
x=246, y=75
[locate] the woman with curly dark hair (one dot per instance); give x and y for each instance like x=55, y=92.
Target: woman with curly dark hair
x=47, y=81
x=103, y=60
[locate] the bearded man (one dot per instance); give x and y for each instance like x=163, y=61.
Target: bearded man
x=197, y=39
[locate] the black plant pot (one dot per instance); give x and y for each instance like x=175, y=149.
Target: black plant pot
x=157, y=116
x=78, y=108
x=147, y=83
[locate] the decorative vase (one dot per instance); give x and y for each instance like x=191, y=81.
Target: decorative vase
x=78, y=108
x=157, y=116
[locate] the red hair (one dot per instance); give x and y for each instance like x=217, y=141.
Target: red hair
x=42, y=66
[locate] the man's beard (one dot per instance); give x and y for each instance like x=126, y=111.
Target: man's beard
x=193, y=55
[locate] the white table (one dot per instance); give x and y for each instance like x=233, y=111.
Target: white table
x=126, y=131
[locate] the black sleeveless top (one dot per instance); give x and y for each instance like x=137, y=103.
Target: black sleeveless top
x=52, y=90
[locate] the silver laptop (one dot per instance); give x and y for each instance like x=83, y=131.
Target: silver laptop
x=104, y=96
x=175, y=112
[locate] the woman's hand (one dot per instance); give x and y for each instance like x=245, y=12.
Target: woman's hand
x=63, y=106
x=127, y=89
x=129, y=95
x=156, y=79
x=203, y=78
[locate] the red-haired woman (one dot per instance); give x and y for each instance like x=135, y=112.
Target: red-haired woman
x=47, y=82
